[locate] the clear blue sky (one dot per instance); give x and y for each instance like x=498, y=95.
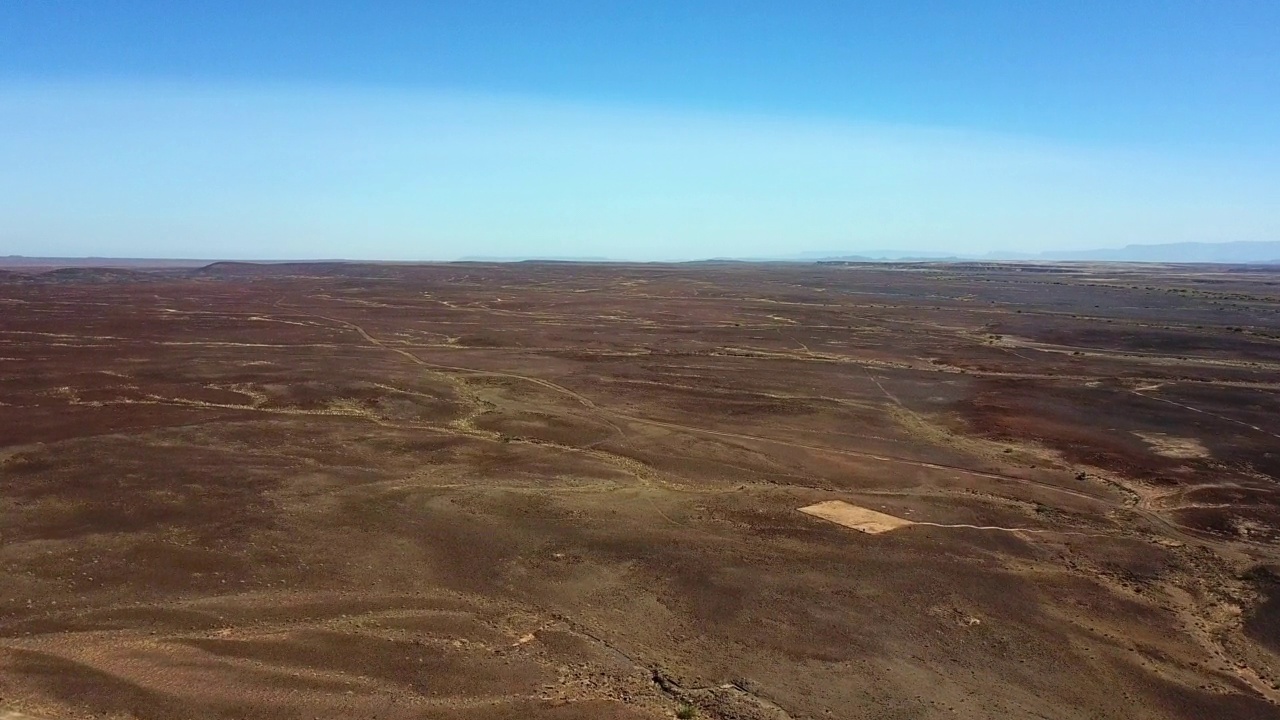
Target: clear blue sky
x=660, y=130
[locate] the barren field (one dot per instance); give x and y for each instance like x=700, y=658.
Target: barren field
x=542, y=490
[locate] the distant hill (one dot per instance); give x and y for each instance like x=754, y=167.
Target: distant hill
x=1234, y=253
x=1239, y=253
x=1265, y=252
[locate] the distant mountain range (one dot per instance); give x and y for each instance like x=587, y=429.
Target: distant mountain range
x=1187, y=252
x=1243, y=253
x=1246, y=253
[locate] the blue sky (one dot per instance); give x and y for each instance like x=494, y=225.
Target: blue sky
x=667, y=130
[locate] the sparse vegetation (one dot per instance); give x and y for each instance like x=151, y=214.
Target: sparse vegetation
x=334, y=490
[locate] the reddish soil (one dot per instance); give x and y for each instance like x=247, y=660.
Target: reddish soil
x=544, y=490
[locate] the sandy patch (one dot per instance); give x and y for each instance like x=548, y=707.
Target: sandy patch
x=1174, y=447
x=852, y=516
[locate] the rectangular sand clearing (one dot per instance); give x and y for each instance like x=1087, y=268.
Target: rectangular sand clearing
x=852, y=516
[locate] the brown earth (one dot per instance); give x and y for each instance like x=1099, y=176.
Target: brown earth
x=546, y=490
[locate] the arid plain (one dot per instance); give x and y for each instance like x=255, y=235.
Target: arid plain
x=541, y=490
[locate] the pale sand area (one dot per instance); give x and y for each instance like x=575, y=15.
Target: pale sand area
x=852, y=516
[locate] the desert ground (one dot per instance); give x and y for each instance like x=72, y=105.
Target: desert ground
x=590, y=491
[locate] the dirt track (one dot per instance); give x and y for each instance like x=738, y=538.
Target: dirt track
x=557, y=491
